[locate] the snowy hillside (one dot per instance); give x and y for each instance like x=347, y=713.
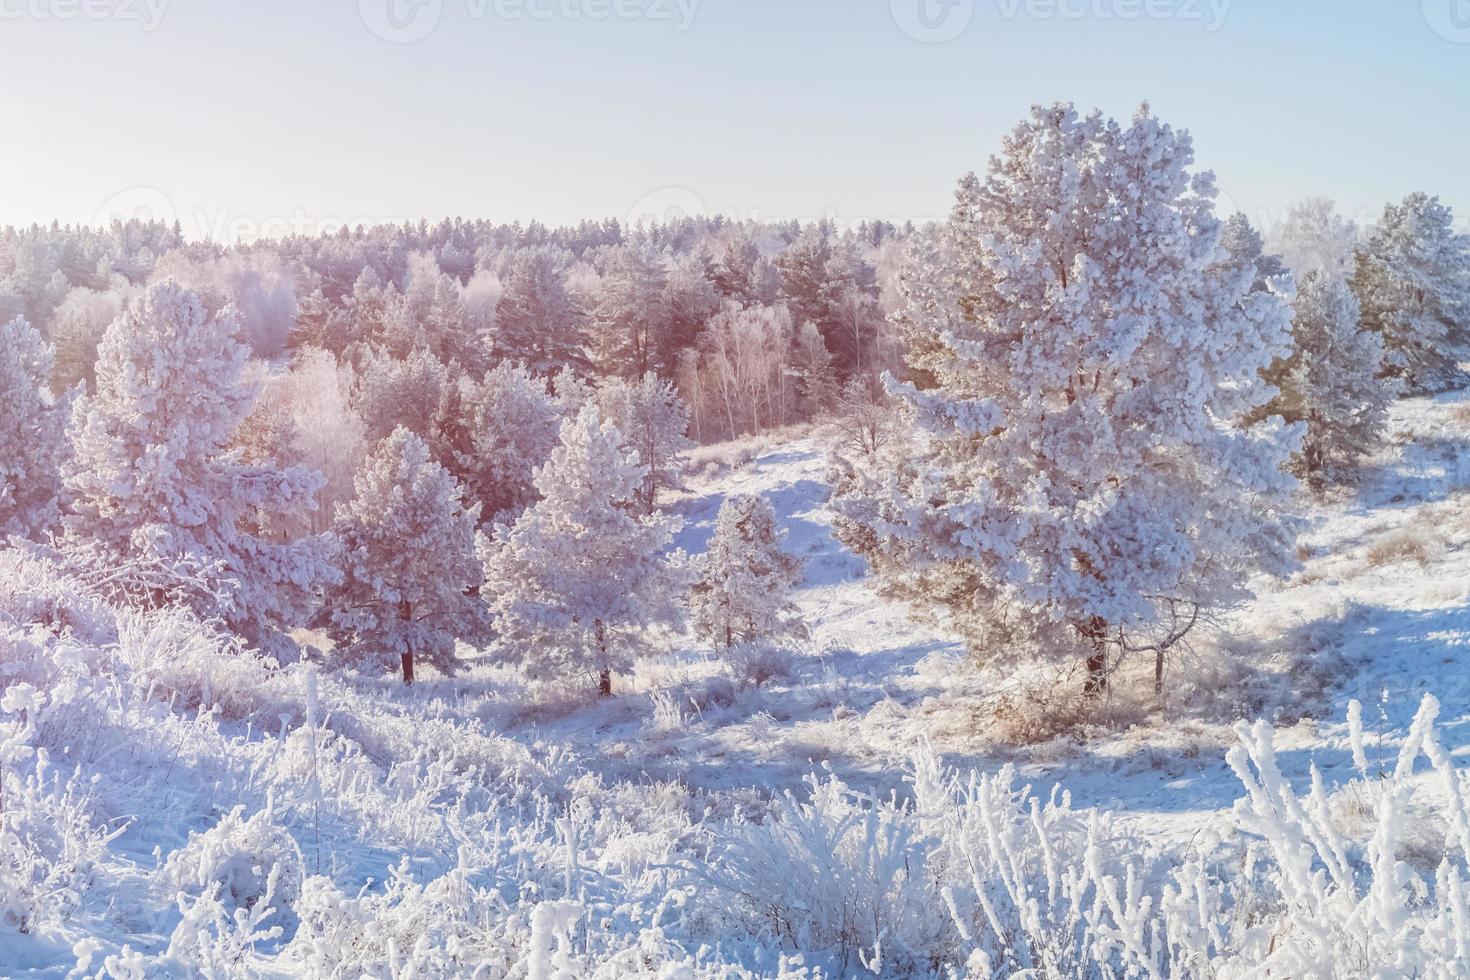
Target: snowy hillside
x=220, y=818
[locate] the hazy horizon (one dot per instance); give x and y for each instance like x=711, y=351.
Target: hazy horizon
x=280, y=118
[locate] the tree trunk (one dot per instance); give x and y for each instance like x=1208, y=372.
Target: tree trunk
x=604, y=679
x=1159, y=675
x=405, y=612
x=1097, y=664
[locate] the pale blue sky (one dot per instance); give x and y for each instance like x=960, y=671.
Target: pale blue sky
x=239, y=117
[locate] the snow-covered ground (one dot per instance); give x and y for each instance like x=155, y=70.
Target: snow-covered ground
x=478, y=825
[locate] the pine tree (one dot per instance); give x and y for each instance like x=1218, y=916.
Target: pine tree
x=579, y=579
x=536, y=321
x=1081, y=479
x=408, y=562
x=504, y=428
x=631, y=320
x=743, y=583
x=32, y=427
x=655, y=424
x=159, y=505
x=1412, y=281
x=1243, y=245
x=1331, y=382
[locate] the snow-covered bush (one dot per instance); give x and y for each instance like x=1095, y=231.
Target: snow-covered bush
x=180, y=659
x=757, y=662
x=1031, y=886
x=247, y=859
x=49, y=842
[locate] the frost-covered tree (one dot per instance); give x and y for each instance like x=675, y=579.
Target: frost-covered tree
x=1412, y=280
x=1079, y=475
x=536, y=321
x=655, y=425
x=32, y=427
x=160, y=507
x=77, y=328
x=742, y=586
x=1243, y=245
x=630, y=320
x=409, y=570
x=1315, y=238
x=416, y=392
x=505, y=426
x=1331, y=382
x=577, y=582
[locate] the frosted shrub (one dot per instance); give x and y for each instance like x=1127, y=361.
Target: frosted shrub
x=1034, y=888
x=238, y=863
x=839, y=871
x=36, y=590
x=757, y=662
x=49, y=845
x=186, y=661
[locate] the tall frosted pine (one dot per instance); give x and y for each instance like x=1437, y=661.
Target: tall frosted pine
x=409, y=570
x=160, y=508
x=1331, y=382
x=579, y=580
x=1412, y=281
x=32, y=423
x=1080, y=484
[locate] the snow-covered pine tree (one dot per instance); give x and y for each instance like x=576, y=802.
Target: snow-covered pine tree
x=1412, y=280
x=409, y=569
x=1331, y=382
x=32, y=428
x=655, y=424
x=1243, y=244
x=579, y=579
x=742, y=587
x=505, y=427
x=631, y=319
x=536, y=320
x=159, y=506
x=1079, y=476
